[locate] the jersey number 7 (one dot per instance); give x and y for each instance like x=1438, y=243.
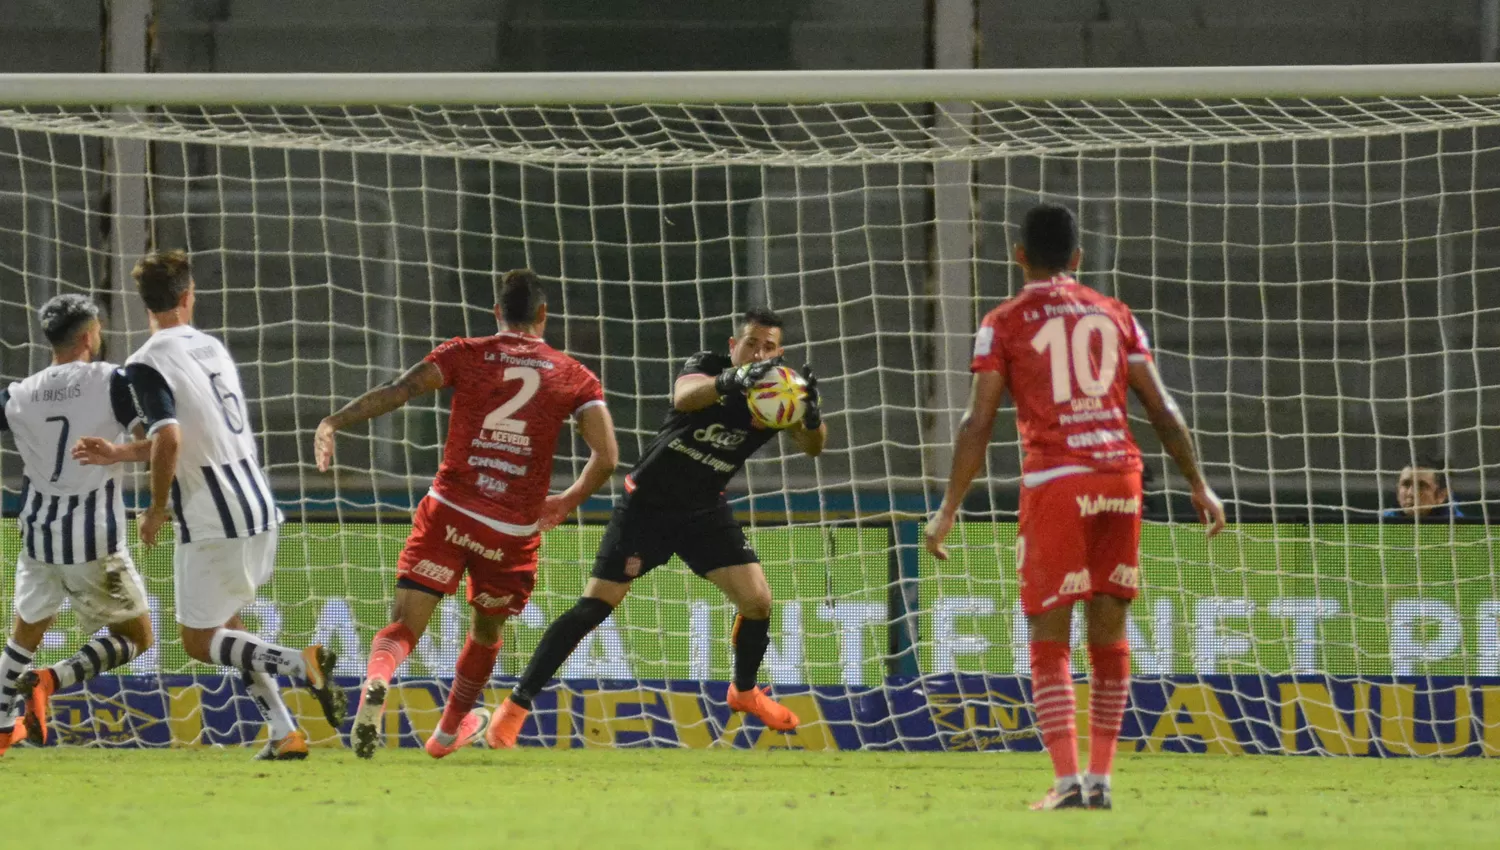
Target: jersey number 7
x=500, y=419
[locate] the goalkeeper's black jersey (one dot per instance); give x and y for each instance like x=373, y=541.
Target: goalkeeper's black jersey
x=693, y=456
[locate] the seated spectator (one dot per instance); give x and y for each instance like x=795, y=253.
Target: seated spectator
x=1422, y=492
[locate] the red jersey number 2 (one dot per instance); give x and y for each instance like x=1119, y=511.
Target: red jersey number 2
x=500, y=419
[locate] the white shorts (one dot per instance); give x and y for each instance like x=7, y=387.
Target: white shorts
x=217, y=578
x=105, y=592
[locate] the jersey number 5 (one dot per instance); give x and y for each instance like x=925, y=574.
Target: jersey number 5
x=1053, y=340
x=500, y=419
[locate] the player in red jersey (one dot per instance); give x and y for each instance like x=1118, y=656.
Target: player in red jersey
x=488, y=503
x=1068, y=354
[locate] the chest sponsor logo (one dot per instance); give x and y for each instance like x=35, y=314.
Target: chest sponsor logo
x=436, y=572
x=496, y=463
x=1094, y=505
x=1126, y=576
x=1074, y=583
x=720, y=437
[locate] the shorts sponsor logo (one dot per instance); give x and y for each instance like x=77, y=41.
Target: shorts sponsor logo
x=436, y=572
x=1092, y=505
x=464, y=541
x=1074, y=583
x=484, y=600
x=1126, y=576
x=720, y=437
x=633, y=566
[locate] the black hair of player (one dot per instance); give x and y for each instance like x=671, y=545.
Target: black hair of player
x=1049, y=234
x=161, y=277
x=63, y=317
x=761, y=317
x=521, y=297
x=1438, y=466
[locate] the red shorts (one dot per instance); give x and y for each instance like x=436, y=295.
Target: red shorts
x=446, y=543
x=1079, y=535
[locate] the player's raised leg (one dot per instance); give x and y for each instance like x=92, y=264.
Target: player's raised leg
x=599, y=600
x=461, y=723
x=108, y=591
x=745, y=586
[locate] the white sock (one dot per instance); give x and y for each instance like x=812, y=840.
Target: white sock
x=1065, y=784
x=263, y=690
x=13, y=661
x=1096, y=780
x=244, y=651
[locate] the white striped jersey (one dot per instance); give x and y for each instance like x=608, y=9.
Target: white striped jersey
x=70, y=513
x=184, y=376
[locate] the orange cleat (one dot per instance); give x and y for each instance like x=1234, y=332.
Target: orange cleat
x=470, y=729
x=13, y=735
x=506, y=727
x=37, y=687
x=291, y=748
x=772, y=713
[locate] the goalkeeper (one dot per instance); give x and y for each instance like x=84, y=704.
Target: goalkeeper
x=674, y=504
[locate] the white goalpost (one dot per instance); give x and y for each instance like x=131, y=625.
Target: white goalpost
x=1312, y=251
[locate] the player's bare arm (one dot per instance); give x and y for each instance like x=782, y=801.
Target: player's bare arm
x=97, y=451
x=970, y=445
x=419, y=380
x=598, y=430
x=1166, y=419
x=165, y=444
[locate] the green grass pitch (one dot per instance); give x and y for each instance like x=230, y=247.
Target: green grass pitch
x=599, y=799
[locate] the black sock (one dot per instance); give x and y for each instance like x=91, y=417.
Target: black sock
x=559, y=641
x=751, y=637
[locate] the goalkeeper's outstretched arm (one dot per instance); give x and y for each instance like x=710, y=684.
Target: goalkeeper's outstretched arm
x=1170, y=427
x=420, y=379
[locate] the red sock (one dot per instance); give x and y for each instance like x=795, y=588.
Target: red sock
x=391, y=646
x=475, y=664
x=1107, y=696
x=1052, y=694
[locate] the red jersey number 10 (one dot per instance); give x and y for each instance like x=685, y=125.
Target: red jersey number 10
x=500, y=419
x=1053, y=340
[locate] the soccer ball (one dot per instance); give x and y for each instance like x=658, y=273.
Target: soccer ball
x=779, y=399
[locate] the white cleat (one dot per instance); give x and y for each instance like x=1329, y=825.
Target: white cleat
x=367, y=734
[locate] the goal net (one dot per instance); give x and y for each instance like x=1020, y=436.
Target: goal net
x=1313, y=256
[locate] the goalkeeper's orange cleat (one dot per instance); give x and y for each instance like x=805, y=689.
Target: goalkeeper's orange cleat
x=470, y=729
x=505, y=728
x=772, y=713
x=37, y=687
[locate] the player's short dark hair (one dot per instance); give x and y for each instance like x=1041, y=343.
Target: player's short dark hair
x=161, y=277
x=1050, y=236
x=520, y=296
x=64, y=316
x=762, y=317
x=1437, y=464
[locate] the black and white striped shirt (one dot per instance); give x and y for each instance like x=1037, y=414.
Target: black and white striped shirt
x=70, y=513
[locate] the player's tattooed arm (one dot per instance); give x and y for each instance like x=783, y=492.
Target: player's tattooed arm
x=970, y=445
x=420, y=379
x=1166, y=419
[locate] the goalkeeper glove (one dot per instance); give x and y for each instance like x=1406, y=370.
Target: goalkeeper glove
x=812, y=418
x=739, y=379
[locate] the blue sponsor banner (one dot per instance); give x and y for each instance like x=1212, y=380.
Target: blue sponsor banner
x=1390, y=716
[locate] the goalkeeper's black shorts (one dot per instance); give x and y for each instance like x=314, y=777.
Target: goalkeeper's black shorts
x=641, y=537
